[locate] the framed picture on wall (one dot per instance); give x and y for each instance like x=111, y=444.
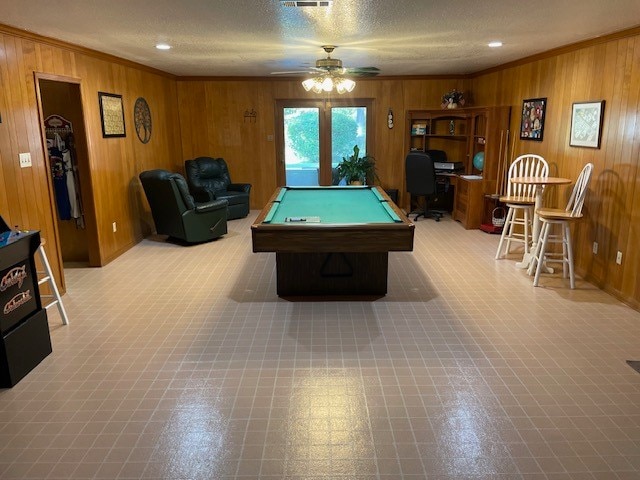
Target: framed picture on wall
x=111, y=115
x=532, y=122
x=586, y=124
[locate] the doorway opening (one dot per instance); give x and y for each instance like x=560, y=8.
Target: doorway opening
x=67, y=158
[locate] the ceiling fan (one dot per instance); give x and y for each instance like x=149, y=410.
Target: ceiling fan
x=333, y=66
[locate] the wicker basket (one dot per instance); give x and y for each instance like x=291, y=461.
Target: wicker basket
x=498, y=216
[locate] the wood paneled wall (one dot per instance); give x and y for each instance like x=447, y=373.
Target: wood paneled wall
x=213, y=124
x=607, y=71
x=25, y=193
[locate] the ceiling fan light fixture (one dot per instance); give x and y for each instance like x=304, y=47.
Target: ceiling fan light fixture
x=308, y=84
x=345, y=85
x=317, y=87
x=327, y=83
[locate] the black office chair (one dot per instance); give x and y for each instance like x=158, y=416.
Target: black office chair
x=421, y=180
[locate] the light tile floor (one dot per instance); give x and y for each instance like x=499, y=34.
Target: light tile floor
x=182, y=363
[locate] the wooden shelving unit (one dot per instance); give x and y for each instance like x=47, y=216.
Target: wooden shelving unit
x=462, y=133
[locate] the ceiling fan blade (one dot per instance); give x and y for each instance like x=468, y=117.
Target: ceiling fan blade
x=362, y=71
x=293, y=72
x=308, y=71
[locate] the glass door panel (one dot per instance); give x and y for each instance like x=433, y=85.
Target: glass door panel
x=312, y=137
x=301, y=146
x=348, y=128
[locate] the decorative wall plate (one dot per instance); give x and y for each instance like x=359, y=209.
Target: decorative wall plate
x=142, y=120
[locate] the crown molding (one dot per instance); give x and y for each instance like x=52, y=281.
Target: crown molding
x=27, y=35
x=554, y=52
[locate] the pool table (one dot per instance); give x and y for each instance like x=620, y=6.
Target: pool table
x=331, y=240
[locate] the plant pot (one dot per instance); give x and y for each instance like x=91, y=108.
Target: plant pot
x=355, y=182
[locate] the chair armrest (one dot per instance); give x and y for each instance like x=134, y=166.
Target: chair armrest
x=211, y=206
x=239, y=187
x=202, y=194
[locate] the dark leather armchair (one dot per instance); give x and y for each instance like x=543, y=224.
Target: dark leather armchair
x=209, y=179
x=174, y=211
x=421, y=179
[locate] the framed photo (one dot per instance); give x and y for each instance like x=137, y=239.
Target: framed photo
x=111, y=115
x=586, y=124
x=532, y=122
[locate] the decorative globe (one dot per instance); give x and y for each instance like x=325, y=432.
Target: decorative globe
x=478, y=160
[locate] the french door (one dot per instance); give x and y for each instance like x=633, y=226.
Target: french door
x=313, y=136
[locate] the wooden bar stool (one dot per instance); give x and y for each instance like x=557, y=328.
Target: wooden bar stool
x=520, y=198
x=562, y=217
x=47, y=277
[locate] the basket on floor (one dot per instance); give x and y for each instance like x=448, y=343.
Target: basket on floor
x=498, y=216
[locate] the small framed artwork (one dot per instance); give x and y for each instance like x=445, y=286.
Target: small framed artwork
x=111, y=115
x=586, y=124
x=532, y=122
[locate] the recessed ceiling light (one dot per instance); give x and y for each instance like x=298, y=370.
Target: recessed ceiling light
x=163, y=46
x=495, y=44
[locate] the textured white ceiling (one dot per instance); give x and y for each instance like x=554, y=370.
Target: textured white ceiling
x=256, y=37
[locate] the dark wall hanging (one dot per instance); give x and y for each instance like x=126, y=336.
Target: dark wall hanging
x=142, y=120
x=532, y=123
x=111, y=115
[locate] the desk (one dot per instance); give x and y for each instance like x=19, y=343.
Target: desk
x=345, y=252
x=539, y=183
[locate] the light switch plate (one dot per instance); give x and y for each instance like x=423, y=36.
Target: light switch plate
x=25, y=160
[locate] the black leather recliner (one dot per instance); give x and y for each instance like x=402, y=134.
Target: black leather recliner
x=175, y=213
x=209, y=179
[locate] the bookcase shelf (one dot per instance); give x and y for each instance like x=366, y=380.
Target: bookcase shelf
x=462, y=133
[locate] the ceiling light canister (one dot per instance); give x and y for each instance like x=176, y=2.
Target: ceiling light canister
x=163, y=46
x=327, y=84
x=348, y=84
x=495, y=44
x=308, y=84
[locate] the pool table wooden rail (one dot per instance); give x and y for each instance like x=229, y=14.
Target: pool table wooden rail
x=328, y=237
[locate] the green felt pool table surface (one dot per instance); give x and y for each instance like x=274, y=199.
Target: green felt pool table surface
x=331, y=205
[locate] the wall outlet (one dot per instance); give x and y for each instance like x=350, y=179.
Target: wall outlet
x=25, y=160
x=595, y=248
x=619, y=258
x=115, y=227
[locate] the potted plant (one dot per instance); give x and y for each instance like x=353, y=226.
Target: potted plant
x=355, y=169
x=452, y=99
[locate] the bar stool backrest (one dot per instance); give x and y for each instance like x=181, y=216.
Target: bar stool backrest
x=528, y=165
x=576, y=201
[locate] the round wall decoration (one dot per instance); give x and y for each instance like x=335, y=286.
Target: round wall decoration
x=142, y=120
